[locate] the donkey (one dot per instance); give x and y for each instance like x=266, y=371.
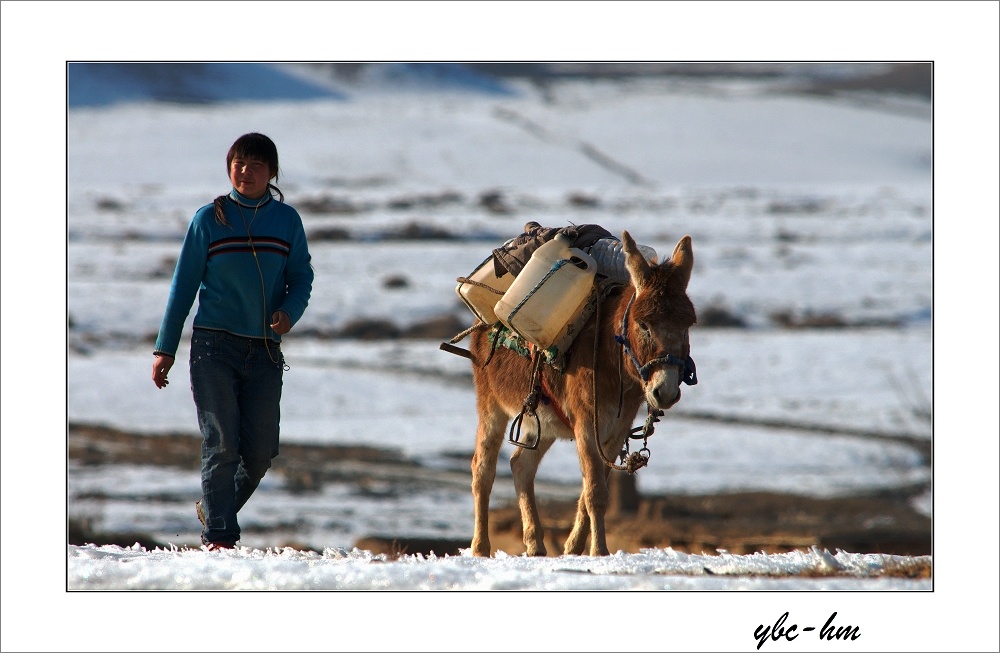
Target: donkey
x=596, y=397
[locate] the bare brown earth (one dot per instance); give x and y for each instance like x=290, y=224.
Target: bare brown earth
x=739, y=523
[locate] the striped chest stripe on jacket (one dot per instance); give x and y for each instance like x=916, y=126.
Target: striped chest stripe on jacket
x=260, y=243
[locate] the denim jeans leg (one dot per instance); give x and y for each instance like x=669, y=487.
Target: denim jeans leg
x=259, y=401
x=215, y=381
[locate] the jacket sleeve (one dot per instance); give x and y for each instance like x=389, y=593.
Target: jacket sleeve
x=299, y=273
x=188, y=274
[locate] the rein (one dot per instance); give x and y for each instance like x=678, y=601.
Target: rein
x=632, y=462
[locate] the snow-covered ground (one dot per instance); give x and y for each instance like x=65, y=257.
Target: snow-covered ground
x=109, y=567
x=801, y=205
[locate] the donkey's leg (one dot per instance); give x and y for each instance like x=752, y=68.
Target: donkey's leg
x=524, y=466
x=595, y=496
x=577, y=540
x=489, y=437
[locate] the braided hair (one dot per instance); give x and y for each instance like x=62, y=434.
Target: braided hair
x=250, y=146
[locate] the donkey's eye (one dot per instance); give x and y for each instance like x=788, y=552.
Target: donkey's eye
x=643, y=327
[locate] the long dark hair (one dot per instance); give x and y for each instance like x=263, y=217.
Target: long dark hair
x=250, y=146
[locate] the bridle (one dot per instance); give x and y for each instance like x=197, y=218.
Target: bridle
x=633, y=461
x=689, y=372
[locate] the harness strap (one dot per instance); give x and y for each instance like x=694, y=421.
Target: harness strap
x=530, y=406
x=549, y=397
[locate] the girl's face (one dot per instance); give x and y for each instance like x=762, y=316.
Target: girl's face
x=250, y=177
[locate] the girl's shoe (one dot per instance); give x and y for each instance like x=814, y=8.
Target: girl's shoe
x=218, y=546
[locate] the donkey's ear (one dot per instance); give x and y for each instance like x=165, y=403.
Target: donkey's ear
x=636, y=264
x=683, y=258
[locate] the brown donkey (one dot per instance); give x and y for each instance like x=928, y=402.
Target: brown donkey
x=638, y=343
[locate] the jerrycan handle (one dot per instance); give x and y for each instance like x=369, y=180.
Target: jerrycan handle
x=581, y=259
x=576, y=257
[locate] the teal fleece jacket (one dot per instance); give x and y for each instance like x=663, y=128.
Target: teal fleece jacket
x=239, y=280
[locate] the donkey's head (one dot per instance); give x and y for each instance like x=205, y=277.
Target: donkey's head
x=656, y=322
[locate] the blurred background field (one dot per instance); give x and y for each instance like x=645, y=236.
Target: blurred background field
x=807, y=189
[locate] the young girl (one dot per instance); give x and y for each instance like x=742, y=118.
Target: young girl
x=246, y=258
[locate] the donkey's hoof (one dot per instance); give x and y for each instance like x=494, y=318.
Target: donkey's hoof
x=574, y=547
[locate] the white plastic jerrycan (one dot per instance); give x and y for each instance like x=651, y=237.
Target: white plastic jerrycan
x=482, y=298
x=548, y=292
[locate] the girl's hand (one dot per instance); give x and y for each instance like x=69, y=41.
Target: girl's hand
x=161, y=365
x=280, y=323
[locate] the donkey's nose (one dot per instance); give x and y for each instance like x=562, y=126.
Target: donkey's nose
x=665, y=390
x=666, y=394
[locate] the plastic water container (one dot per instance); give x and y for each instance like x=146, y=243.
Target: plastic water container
x=548, y=292
x=610, y=256
x=482, y=300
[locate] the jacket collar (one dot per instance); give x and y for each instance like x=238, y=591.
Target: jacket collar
x=248, y=203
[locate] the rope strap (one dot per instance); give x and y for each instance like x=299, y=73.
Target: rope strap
x=480, y=284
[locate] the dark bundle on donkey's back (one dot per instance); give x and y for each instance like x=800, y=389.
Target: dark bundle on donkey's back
x=632, y=347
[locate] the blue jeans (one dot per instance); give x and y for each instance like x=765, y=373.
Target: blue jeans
x=236, y=383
